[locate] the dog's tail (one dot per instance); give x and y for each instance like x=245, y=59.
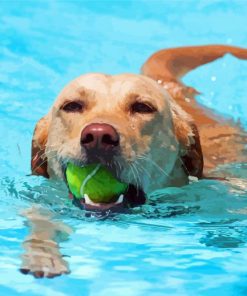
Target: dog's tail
x=173, y=63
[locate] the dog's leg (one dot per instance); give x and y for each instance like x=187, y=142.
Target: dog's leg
x=172, y=64
x=42, y=257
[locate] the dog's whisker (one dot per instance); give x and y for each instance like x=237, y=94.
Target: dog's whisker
x=129, y=174
x=137, y=173
x=154, y=164
x=138, y=177
x=142, y=168
x=120, y=168
x=135, y=177
x=40, y=165
x=43, y=160
x=115, y=165
x=183, y=164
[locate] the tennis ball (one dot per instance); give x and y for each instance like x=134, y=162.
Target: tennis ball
x=95, y=181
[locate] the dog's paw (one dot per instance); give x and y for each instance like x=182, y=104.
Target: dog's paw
x=42, y=273
x=40, y=267
x=43, y=259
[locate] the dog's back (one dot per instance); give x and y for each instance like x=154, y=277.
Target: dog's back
x=222, y=141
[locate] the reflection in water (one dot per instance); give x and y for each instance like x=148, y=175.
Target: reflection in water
x=222, y=239
x=42, y=255
x=181, y=235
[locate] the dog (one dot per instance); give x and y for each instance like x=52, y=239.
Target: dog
x=140, y=125
x=147, y=129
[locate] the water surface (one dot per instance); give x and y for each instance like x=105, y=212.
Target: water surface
x=185, y=241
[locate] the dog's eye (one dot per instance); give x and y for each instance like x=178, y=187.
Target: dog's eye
x=143, y=108
x=75, y=106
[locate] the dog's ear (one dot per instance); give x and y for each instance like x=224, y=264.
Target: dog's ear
x=193, y=157
x=190, y=147
x=38, y=160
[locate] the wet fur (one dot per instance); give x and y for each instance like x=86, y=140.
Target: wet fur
x=195, y=132
x=168, y=146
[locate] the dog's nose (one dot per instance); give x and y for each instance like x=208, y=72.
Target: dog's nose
x=99, y=135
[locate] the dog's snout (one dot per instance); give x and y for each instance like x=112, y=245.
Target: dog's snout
x=99, y=135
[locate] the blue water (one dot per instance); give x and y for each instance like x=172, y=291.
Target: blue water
x=186, y=241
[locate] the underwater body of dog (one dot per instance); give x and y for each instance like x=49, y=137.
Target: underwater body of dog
x=146, y=129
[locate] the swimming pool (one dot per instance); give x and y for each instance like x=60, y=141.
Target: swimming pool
x=187, y=241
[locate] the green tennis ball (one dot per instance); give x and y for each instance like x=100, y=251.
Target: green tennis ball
x=94, y=180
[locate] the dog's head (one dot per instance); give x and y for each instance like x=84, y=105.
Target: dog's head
x=126, y=122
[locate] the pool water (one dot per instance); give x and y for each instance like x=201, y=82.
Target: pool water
x=185, y=241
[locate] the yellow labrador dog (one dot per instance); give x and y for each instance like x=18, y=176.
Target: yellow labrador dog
x=147, y=129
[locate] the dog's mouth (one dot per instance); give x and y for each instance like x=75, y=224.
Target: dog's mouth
x=134, y=196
